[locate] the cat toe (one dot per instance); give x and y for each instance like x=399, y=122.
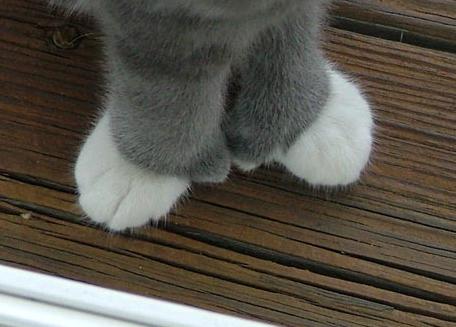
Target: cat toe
x=335, y=149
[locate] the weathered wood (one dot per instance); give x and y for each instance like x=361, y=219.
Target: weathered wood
x=412, y=89
x=24, y=198
x=413, y=18
x=380, y=254
x=172, y=261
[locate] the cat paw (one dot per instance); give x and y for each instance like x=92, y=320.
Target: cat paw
x=116, y=193
x=335, y=149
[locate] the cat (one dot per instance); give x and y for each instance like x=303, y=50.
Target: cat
x=166, y=121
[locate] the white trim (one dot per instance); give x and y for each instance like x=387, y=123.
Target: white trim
x=29, y=299
x=16, y=311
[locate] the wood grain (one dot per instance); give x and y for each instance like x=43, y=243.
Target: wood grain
x=435, y=19
x=382, y=253
x=171, y=261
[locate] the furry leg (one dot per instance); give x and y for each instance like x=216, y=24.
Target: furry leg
x=294, y=110
x=117, y=193
x=335, y=149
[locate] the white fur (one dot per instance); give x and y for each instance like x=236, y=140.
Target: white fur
x=117, y=193
x=248, y=166
x=244, y=166
x=336, y=147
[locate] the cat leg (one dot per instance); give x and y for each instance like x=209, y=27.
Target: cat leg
x=157, y=134
x=293, y=108
x=335, y=148
x=116, y=192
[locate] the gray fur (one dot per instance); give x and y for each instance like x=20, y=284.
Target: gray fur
x=169, y=67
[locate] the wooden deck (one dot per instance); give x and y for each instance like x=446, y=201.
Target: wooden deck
x=263, y=245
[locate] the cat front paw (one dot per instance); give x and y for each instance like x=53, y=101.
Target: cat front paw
x=116, y=193
x=335, y=149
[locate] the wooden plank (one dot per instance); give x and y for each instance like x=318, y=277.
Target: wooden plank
x=57, y=150
x=413, y=90
x=381, y=254
x=24, y=197
x=52, y=144
x=178, y=267
x=434, y=19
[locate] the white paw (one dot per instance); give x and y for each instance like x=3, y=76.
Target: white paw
x=115, y=192
x=336, y=147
